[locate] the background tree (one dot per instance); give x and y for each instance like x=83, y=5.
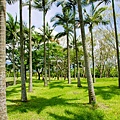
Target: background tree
x=117, y=43
x=65, y=19
x=30, y=50
x=23, y=83
x=12, y=29
x=44, y=6
x=95, y=17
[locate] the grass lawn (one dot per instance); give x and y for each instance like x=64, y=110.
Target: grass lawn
x=61, y=101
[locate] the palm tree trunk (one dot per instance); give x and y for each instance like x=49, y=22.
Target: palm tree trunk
x=49, y=60
x=14, y=73
x=45, y=68
x=68, y=60
x=92, y=98
x=93, y=61
x=117, y=43
x=14, y=64
x=76, y=53
x=3, y=109
x=23, y=83
x=78, y=75
x=30, y=50
x=74, y=43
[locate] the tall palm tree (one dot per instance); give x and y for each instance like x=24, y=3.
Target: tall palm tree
x=30, y=50
x=94, y=18
x=48, y=37
x=117, y=43
x=3, y=109
x=91, y=92
x=116, y=35
x=28, y=3
x=72, y=4
x=11, y=31
x=23, y=83
x=65, y=19
x=43, y=5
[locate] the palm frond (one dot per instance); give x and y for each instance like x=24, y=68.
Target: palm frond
x=57, y=23
x=25, y=3
x=57, y=17
x=11, y=1
x=10, y=17
x=59, y=3
x=59, y=35
x=98, y=12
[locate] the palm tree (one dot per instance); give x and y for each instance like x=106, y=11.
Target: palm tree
x=28, y=3
x=23, y=83
x=3, y=109
x=72, y=3
x=116, y=36
x=11, y=31
x=117, y=43
x=65, y=20
x=92, y=98
x=30, y=50
x=94, y=18
x=43, y=5
x=48, y=37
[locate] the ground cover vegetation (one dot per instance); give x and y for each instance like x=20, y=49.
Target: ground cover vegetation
x=63, y=101
x=55, y=76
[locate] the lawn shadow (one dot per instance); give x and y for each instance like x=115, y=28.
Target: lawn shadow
x=85, y=113
x=35, y=104
x=15, y=89
x=59, y=84
x=11, y=83
x=38, y=104
x=107, y=92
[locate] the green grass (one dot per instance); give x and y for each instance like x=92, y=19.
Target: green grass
x=60, y=101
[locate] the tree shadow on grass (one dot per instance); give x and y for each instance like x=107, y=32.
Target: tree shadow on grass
x=35, y=104
x=107, y=92
x=10, y=92
x=59, y=84
x=84, y=114
x=83, y=111
x=11, y=83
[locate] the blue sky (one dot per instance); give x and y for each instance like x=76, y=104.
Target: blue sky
x=37, y=17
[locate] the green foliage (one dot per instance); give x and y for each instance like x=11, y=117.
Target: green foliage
x=113, y=72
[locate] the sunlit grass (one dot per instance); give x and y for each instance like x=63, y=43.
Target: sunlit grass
x=61, y=101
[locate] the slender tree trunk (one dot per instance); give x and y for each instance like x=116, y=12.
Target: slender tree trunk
x=68, y=60
x=45, y=68
x=49, y=60
x=74, y=49
x=14, y=74
x=3, y=109
x=23, y=83
x=30, y=50
x=92, y=98
x=14, y=64
x=76, y=54
x=117, y=43
x=13, y=44
x=93, y=61
x=38, y=76
x=78, y=75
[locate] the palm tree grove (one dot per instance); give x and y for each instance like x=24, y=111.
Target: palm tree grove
x=59, y=60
